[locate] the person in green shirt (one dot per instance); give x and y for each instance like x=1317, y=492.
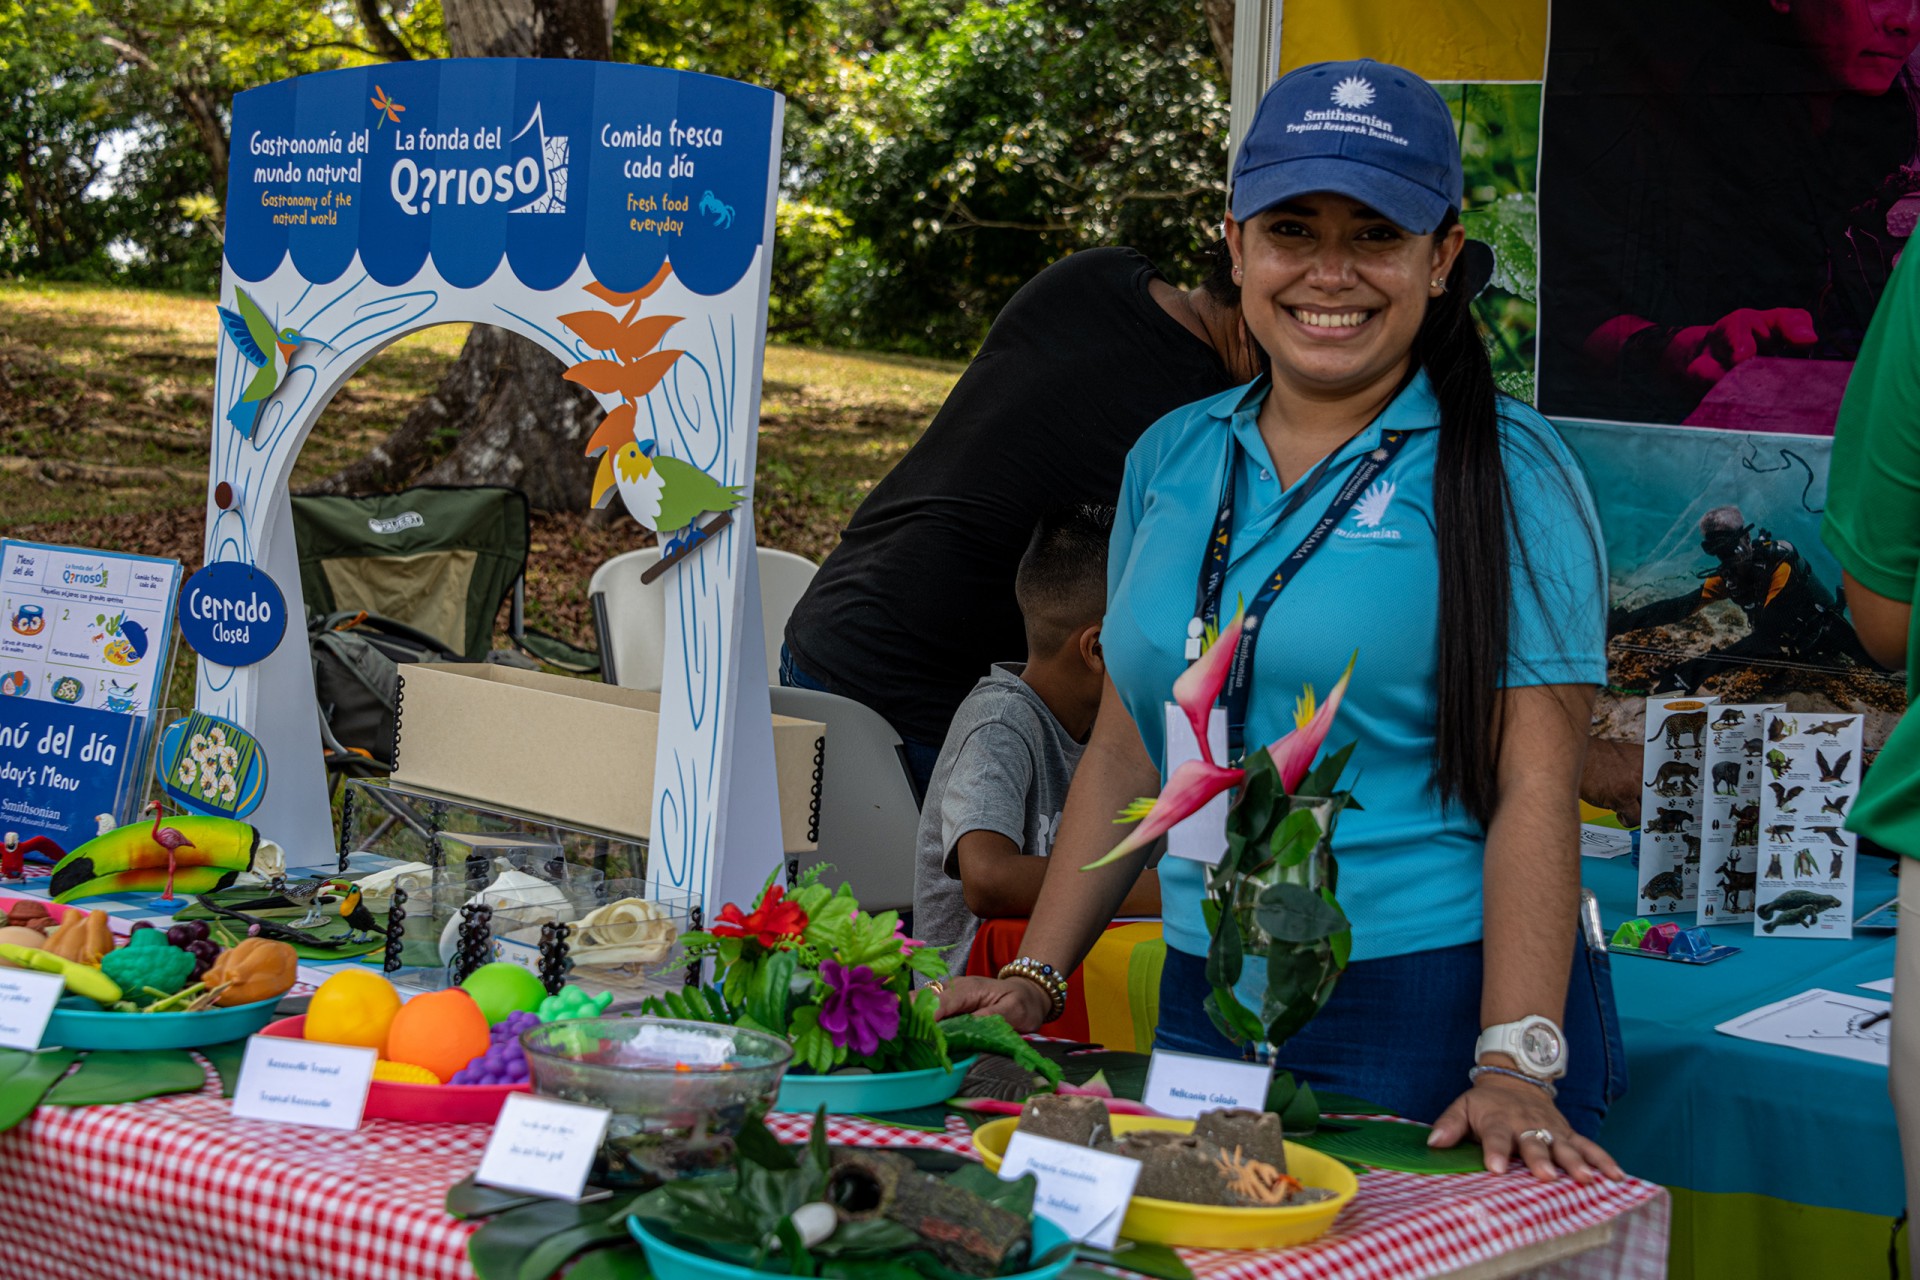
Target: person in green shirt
x=1873, y=527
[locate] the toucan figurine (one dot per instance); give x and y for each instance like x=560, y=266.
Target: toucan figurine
x=360, y=921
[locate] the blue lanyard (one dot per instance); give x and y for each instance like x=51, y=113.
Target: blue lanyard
x=1213, y=571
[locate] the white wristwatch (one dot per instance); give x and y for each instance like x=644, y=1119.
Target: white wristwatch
x=1535, y=1044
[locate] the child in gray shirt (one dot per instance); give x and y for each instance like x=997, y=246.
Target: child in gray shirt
x=994, y=801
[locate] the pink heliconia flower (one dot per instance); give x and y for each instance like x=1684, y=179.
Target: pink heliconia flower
x=1186, y=793
x=1293, y=755
x=1198, y=687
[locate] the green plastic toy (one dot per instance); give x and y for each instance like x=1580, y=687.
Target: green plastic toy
x=1630, y=933
x=571, y=1002
x=148, y=961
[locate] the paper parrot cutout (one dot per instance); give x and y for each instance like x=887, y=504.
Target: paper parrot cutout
x=662, y=493
x=269, y=351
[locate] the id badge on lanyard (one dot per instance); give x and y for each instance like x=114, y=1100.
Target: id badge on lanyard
x=1201, y=837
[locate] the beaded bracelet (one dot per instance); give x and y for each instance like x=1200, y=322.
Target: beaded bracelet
x=1473, y=1077
x=1043, y=976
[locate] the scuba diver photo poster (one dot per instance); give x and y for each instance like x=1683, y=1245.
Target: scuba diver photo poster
x=1724, y=189
x=1694, y=209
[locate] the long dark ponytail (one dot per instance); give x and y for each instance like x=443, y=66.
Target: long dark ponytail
x=1473, y=516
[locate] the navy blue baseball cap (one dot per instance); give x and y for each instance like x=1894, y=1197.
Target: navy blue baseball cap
x=1367, y=130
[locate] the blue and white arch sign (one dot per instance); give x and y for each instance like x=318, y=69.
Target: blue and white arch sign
x=621, y=218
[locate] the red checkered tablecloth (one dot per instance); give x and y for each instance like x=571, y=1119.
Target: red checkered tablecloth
x=175, y=1188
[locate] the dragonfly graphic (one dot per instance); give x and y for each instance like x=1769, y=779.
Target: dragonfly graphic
x=387, y=107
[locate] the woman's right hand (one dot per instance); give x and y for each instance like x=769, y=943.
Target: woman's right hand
x=1020, y=1002
x=1702, y=355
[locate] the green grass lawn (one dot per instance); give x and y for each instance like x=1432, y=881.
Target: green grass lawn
x=106, y=400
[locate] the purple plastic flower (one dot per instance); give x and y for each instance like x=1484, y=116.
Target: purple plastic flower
x=860, y=1012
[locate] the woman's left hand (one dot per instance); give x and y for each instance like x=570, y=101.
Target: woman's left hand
x=1508, y=1117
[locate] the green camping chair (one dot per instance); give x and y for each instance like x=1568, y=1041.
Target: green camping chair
x=438, y=558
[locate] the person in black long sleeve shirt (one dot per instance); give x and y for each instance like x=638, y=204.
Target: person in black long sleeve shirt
x=916, y=603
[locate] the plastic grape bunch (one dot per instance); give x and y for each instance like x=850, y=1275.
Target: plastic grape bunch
x=504, y=1062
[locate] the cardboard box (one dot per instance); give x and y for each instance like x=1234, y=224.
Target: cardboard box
x=577, y=751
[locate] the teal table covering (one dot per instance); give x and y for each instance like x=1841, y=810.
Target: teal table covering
x=1782, y=1162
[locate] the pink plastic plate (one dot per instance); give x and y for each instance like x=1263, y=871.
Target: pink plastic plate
x=420, y=1103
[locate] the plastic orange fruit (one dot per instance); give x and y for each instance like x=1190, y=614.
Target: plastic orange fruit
x=442, y=1031
x=354, y=1006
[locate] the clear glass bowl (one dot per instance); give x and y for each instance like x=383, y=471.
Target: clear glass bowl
x=678, y=1091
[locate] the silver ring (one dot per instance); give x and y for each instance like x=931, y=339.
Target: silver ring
x=1543, y=1136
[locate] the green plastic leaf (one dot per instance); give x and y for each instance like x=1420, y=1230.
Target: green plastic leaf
x=756, y=1142
x=1325, y=776
x=1234, y=1020
x=1156, y=1260
x=24, y=1089
x=972, y=1033
x=467, y=1199
x=767, y=997
x=109, y=1076
x=1125, y=1073
x=515, y=1245
x=623, y=1261
x=1015, y=1196
x=1345, y=1104
x=811, y=1044
x=1296, y=914
x=225, y=1059
x=1226, y=953
x=1302, y=1113
x=1390, y=1144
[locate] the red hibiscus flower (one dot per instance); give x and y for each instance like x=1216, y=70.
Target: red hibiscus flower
x=771, y=921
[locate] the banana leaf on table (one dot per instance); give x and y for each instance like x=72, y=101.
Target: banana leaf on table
x=104, y=1077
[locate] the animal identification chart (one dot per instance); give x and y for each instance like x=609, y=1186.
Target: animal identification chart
x=1806, y=852
x=1670, y=804
x=1846, y=1026
x=1730, y=829
x=85, y=628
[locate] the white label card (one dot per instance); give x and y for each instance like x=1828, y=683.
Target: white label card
x=542, y=1147
x=1084, y=1190
x=689, y=1047
x=1186, y=1085
x=1202, y=837
x=26, y=1002
x=304, y=1082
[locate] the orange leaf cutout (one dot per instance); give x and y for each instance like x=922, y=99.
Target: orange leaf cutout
x=641, y=336
x=646, y=290
x=644, y=374
x=597, y=328
x=615, y=429
x=604, y=376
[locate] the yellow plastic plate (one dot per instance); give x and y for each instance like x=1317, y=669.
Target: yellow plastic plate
x=1205, y=1226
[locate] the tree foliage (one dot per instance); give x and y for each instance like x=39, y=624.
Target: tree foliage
x=938, y=153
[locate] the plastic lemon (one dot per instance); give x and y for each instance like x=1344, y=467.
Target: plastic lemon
x=501, y=988
x=354, y=1006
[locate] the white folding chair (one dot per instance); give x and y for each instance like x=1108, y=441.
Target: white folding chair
x=630, y=619
x=869, y=819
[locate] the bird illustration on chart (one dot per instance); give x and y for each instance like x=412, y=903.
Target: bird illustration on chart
x=268, y=349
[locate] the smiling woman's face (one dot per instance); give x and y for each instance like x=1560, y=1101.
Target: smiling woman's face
x=1858, y=45
x=1334, y=292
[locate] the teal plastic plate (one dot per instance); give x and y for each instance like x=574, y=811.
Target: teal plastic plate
x=670, y=1262
x=865, y=1095
x=81, y=1024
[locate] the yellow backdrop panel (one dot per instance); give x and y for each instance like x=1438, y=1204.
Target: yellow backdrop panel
x=1439, y=39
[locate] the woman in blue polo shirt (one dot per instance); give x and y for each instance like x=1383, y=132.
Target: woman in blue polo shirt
x=1464, y=565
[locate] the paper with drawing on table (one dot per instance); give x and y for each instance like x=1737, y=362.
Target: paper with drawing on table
x=1845, y=1026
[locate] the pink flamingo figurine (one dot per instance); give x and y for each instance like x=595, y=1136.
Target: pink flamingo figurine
x=170, y=840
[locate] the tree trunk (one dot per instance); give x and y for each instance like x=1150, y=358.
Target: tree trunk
x=1219, y=14
x=385, y=39
x=517, y=421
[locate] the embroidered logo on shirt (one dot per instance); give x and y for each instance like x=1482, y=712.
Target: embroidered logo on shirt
x=1370, y=511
